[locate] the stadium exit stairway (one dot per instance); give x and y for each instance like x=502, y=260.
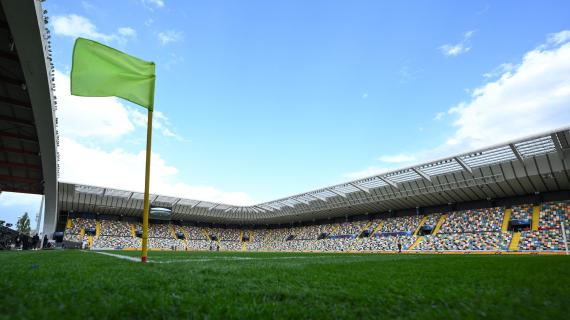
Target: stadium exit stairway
x=418, y=240
x=97, y=228
x=420, y=225
x=186, y=237
x=514, y=245
x=535, y=217
x=506, y=220
x=439, y=223
x=364, y=229
x=172, y=232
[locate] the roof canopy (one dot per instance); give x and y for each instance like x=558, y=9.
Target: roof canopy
x=534, y=164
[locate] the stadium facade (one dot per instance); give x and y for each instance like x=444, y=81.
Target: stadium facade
x=28, y=133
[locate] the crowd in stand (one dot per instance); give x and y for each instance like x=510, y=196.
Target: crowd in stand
x=461, y=230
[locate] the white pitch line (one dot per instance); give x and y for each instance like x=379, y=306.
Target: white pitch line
x=120, y=256
x=136, y=259
x=247, y=258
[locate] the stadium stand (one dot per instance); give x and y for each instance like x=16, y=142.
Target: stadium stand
x=462, y=230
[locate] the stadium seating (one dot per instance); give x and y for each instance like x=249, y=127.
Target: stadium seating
x=523, y=212
x=479, y=220
x=551, y=215
x=549, y=239
x=487, y=241
x=384, y=243
x=401, y=224
x=464, y=230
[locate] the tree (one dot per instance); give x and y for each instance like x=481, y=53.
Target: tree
x=23, y=224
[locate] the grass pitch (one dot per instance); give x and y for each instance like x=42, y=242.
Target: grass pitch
x=84, y=285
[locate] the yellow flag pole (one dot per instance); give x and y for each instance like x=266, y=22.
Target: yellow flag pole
x=146, y=188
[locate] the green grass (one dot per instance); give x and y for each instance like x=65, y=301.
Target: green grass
x=83, y=285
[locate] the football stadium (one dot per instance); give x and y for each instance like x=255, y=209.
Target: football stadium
x=475, y=234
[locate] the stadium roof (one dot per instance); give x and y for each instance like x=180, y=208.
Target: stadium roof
x=28, y=157
x=535, y=164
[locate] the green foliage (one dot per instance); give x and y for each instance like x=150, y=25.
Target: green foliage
x=23, y=224
x=86, y=285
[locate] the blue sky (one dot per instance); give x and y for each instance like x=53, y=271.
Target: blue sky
x=260, y=100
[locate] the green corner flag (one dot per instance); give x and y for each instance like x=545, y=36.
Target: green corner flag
x=101, y=71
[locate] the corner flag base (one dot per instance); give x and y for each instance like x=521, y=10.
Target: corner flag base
x=143, y=259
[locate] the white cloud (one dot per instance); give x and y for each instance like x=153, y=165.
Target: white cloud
x=438, y=116
x=160, y=122
x=365, y=95
x=451, y=50
x=121, y=169
x=83, y=117
x=74, y=26
x=169, y=36
x=527, y=98
x=102, y=118
x=399, y=158
x=97, y=121
x=499, y=71
x=127, y=32
x=559, y=37
x=153, y=3
x=532, y=97
x=370, y=171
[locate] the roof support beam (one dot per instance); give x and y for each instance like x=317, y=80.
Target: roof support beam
x=270, y=208
x=464, y=165
x=19, y=137
x=229, y=209
x=195, y=204
x=15, y=102
x=317, y=197
x=288, y=205
x=8, y=164
x=337, y=192
x=19, y=190
x=516, y=152
x=422, y=174
x=388, y=181
x=17, y=121
x=359, y=187
x=212, y=208
x=18, y=179
x=302, y=201
x=19, y=151
x=8, y=80
x=9, y=55
x=563, y=155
